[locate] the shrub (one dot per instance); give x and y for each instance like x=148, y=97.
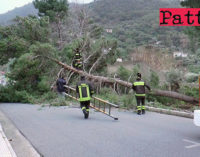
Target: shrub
x=192, y=78
x=9, y=94
x=154, y=79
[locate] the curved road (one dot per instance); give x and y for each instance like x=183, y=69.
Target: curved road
x=62, y=132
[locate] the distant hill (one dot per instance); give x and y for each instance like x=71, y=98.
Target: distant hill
x=21, y=11
x=136, y=22
x=132, y=22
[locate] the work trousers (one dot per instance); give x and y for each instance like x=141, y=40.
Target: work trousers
x=85, y=105
x=140, y=103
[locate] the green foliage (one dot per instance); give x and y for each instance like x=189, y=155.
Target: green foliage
x=54, y=9
x=174, y=76
x=192, y=78
x=191, y=3
x=192, y=32
x=123, y=73
x=59, y=102
x=67, y=53
x=16, y=39
x=103, y=51
x=154, y=80
x=128, y=75
x=128, y=101
x=190, y=91
x=125, y=101
x=10, y=94
x=25, y=73
x=134, y=23
x=162, y=100
x=12, y=47
x=43, y=85
x=43, y=49
x=27, y=44
x=33, y=28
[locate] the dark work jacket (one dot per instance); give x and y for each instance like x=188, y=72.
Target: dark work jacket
x=60, y=85
x=139, y=87
x=85, y=96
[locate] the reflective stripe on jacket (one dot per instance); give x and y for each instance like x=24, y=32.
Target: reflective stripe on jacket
x=85, y=90
x=84, y=93
x=139, y=88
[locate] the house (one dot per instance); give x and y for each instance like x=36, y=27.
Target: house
x=119, y=60
x=179, y=54
x=109, y=30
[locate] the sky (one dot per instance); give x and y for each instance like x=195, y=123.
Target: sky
x=7, y=5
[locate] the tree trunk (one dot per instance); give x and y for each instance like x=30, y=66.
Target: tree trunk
x=112, y=81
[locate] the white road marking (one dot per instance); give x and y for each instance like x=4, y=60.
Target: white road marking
x=194, y=144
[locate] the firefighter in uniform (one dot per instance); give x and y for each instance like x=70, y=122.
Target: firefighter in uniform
x=78, y=64
x=139, y=88
x=84, y=90
x=60, y=85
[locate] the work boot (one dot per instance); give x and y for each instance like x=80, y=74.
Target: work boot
x=139, y=112
x=87, y=115
x=84, y=112
x=143, y=111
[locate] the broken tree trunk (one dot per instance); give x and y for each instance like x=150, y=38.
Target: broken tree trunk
x=112, y=81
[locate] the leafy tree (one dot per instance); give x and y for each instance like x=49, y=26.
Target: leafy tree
x=12, y=47
x=135, y=24
x=56, y=10
x=25, y=42
x=29, y=69
x=30, y=41
x=123, y=73
x=16, y=39
x=154, y=79
x=174, y=78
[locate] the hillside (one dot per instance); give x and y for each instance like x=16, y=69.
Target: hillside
x=21, y=11
x=136, y=23
x=133, y=23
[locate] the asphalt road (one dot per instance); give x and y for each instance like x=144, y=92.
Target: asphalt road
x=62, y=132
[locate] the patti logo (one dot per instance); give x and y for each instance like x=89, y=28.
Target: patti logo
x=179, y=16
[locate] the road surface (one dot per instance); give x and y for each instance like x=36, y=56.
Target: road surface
x=62, y=132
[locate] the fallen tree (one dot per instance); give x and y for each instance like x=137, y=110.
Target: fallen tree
x=113, y=81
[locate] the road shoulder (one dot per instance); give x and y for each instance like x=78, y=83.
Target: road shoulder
x=21, y=146
x=6, y=149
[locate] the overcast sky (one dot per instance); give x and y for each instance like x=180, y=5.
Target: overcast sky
x=6, y=5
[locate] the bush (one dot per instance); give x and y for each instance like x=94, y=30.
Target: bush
x=123, y=73
x=125, y=100
x=154, y=79
x=194, y=92
x=9, y=94
x=129, y=101
x=192, y=78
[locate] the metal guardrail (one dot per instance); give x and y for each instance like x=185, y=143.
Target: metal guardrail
x=97, y=103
